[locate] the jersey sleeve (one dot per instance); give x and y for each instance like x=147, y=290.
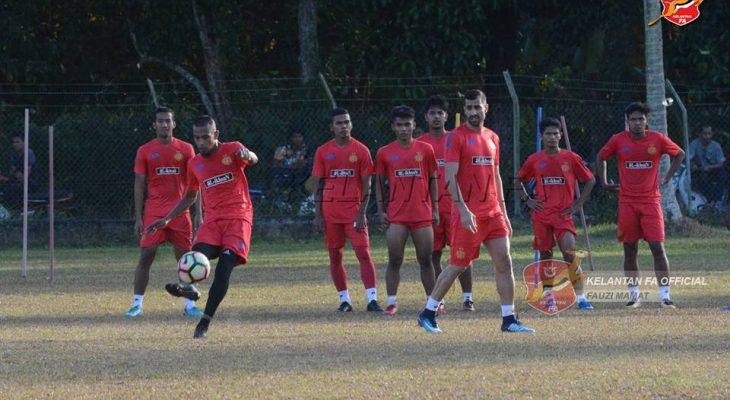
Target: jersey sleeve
x=582, y=173
x=140, y=163
x=609, y=149
x=452, y=153
x=431, y=161
x=366, y=162
x=669, y=147
x=318, y=164
x=380, y=166
x=193, y=183
x=495, y=139
x=526, y=173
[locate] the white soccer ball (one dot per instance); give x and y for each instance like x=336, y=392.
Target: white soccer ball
x=193, y=267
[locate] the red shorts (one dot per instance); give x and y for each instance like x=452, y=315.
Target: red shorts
x=640, y=221
x=548, y=229
x=412, y=226
x=178, y=232
x=442, y=232
x=233, y=234
x=465, y=245
x=335, y=233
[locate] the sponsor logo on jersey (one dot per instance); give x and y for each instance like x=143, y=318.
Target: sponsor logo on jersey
x=408, y=172
x=218, y=179
x=553, y=180
x=482, y=160
x=167, y=170
x=639, y=164
x=342, y=173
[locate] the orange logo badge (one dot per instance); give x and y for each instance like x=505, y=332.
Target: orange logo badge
x=565, y=167
x=460, y=253
x=227, y=160
x=679, y=12
x=550, y=284
x=178, y=156
x=353, y=158
x=418, y=157
x=651, y=150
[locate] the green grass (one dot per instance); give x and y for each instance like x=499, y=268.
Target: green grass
x=276, y=334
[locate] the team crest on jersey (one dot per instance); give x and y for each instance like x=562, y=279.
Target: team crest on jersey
x=553, y=180
x=418, y=157
x=353, y=158
x=565, y=167
x=482, y=160
x=639, y=164
x=178, y=156
x=407, y=173
x=342, y=173
x=460, y=253
x=218, y=180
x=227, y=160
x=167, y=171
x=651, y=150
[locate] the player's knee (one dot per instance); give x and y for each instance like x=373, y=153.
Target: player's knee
x=657, y=248
x=394, y=263
x=546, y=255
x=210, y=251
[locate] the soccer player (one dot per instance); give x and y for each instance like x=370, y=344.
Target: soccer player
x=161, y=167
x=218, y=172
x=342, y=170
x=409, y=167
x=640, y=216
x=555, y=172
x=479, y=214
x=437, y=112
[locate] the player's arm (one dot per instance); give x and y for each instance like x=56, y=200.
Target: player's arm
x=184, y=204
x=248, y=156
x=433, y=191
x=381, y=200
x=317, y=190
x=500, y=198
x=468, y=221
x=198, y=207
x=676, y=162
x=533, y=204
x=140, y=184
x=364, y=201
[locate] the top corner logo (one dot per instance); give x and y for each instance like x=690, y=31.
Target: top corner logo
x=679, y=12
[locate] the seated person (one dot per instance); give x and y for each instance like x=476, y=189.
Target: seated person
x=291, y=163
x=707, y=163
x=14, y=182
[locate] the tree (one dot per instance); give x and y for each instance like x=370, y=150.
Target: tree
x=308, y=43
x=655, y=96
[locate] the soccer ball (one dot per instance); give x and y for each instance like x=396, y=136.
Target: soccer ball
x=193, y=267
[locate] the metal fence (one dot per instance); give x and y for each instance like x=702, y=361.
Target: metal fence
x=95, y=144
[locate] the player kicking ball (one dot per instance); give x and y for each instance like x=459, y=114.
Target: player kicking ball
x=160, y=170
x=437, y=112
x=409, y=167
x=479, y=215
x=218, y=172
x=555, y=172
x=342, y=170
x=640, y=215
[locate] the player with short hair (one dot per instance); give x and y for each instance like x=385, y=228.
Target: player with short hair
x=218, y=173
x=160, y=170
x=479, y=214
x=437, y=112
x=640, y=215
x=555, y=172
x=342, y=170
x=409, y=167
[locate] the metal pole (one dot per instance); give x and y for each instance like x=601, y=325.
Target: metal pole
x=51, y=207
x=24, y=263
x=685, y=132
x=327, y=90
x=538, y=147
x=564, y=128
x=515, y=137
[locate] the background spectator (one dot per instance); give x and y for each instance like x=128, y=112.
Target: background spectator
x=708, y=165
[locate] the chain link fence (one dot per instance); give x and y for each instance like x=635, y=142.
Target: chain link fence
x=95, y=145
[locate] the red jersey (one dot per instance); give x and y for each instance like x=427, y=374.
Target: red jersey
x=341, y=169
x=408, y=171
x=225, y=187
x=555, y=176
x=165, y=169
x=478, y=156
x=439, y=145
x=638, y=164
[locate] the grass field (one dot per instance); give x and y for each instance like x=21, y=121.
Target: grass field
x=276, y=334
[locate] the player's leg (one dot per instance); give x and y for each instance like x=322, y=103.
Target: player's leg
x=334, y=235
x=629, y=233
x=661, y=269
x=423, y=242
x=180, y=234
x=631, y=271
x=360, y=241
x=395, y=238
x=466, y=280
x=141, y=279
x=498, y=249
x=567, y=244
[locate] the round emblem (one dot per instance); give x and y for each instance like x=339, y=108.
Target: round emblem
x=651, y=149
x=418, y=157
x=565, y=167
x=226, y=160
x=178, y=156
x=353, y=157
x=460, y=253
